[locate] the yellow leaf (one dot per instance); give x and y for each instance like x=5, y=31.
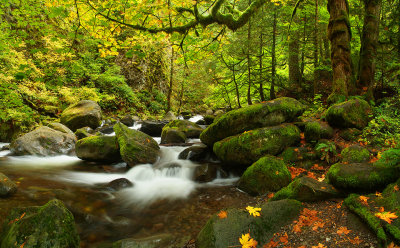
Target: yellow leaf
x=253, y=211
x=386, y=216
x=364, y=199
x=247, y=242
x=343, y=230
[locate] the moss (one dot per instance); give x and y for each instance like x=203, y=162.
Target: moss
x=190, y=129
x=267, y=174
x=252, y=117
x=246, y=148
x=315, y=131
x=98, y=148
x=355, y=154
x=353, y=113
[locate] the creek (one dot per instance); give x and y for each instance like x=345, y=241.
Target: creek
x=164, y=198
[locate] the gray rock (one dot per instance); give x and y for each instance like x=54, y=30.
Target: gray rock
x=82, y=114
x=153, y=128
x=98, y=149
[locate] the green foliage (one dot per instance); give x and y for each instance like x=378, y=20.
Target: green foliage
x=327, y=151
x=316, y=108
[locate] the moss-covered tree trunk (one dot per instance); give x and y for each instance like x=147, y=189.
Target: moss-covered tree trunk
x=249, y=102
x=339, y=34
x=368, y=50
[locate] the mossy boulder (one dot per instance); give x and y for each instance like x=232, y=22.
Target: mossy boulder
x=9, y=131
x=190, y=129
x=173, y=136
x=248, y=147
x=84, y=132
x=296, y=154
x=355, y=154
x=82, y=114
x=44, y=141
x=7, y=187
x=48, y=226
x=366, y=177
x=316, y=130
x=209, y=119
x=389, y=200
x=350, y=134
x=269, y=173
x=136, y=147
x=60, y=127
x=352, y=113
x=306, y=189
x=98, y=149
x=259, y=115
x=198, y=153
x=222, y=233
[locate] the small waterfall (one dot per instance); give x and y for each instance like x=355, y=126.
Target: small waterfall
x=196, y=118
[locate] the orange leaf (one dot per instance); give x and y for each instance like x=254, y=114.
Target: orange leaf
x=319, y=246
x=222, y=215
x=317, y=225
x=355, y=241
x=378, y=194
x=317, y=167
x=296, y=149
x=386, y=216
x=247, y=242
x=284, y=239
x=364, y=200
x=396, y=188
x=381, y=209
x=271, y=244
x=392, y=245
x=343, y=230
x=270, y=195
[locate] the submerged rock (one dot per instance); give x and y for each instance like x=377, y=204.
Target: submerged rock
x=248, y=147
x=98, y=149
x=353, y=113
x=44, y=141
x=222, y=233
x=48, y=226
x=82, y=114
x=208, y=172
x=136, y=147
x=252, y=117
x=198, y=153
x=7, y=187
x=267, y=174
x=119, y=184
x=306, y=189
x=179, y=127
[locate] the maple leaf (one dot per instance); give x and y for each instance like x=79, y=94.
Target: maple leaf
x=253, y=211
x=317, y=225
x=386, y=216
x=222, y=215
x=364, y=200
x=378, y=194
x=355, y=241
x=392, y=245
x=319, y=246
x=271, y=244
x=322, y=178
x=343, y=230
x=284, y=239
x=317, y=167
x=247, y=242
x=381, y=209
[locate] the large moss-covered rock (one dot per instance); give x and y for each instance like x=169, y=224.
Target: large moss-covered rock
x=350, y=134
x=173, y=136
x=44, y=141
x=306, y=189
x=355, y=154
x=353, y=113
x=189, y=129
x=366, y=176
x=248, y=147
x=252, y=117
x=7, y=187
x=98, y=149
x=82, y=114
x=60, y=127
x=153, y=128
x=136, y=147
x=48, y=226
x=388, y=201
x=316, y=130
x=296, y=154
x=222, y=233
x=267, y=174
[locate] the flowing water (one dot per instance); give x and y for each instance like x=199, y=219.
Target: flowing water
x=164, y=198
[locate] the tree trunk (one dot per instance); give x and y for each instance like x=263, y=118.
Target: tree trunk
x=249, y=63
x=262, y=98
x=273, y=66
x=236, y=86
x=339, y=34
x=315, y=48
x=171, y=80
x=368, y=50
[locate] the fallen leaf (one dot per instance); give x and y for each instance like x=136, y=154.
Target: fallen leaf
x=317, y=167
x=317, y=225
x=355, y=241
x=396, y=188
x=386, y=216
x=392, y=245
x=381, y=209
x=270, y=195
x=253, y=211
x=319, y=246
x=222, y=215
x=247, y=242
x=343, y=230
x=271, y=244
x=284, y=239
x=378, y=194
x=322, y=178
x=364, y=200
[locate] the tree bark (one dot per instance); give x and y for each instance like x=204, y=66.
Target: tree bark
x=339, y=34
x=262, y=98
x=368, y=50
x=171, y=80
x=236, y=86
x=249, y=102
x=315, y=48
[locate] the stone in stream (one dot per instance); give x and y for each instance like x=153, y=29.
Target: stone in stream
x=173, y=136
x=82, y=114
x=225, y=232
x=267, y=174
x=60, y=127
x=179, y=127
x=198, y=153
x=153, y=128
x=98, y=149
x=169, y=116
x=44, y=141
x=352, y=113
x=307, y=189
x=259, y=115
x=84, y=132
x=369, y=177
x=127, y=120
x=136, y=147
x=156, y=241
x=48, y=226
x=246, y=148
x=7, y=187
x=208, y=172
x=120, y=183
